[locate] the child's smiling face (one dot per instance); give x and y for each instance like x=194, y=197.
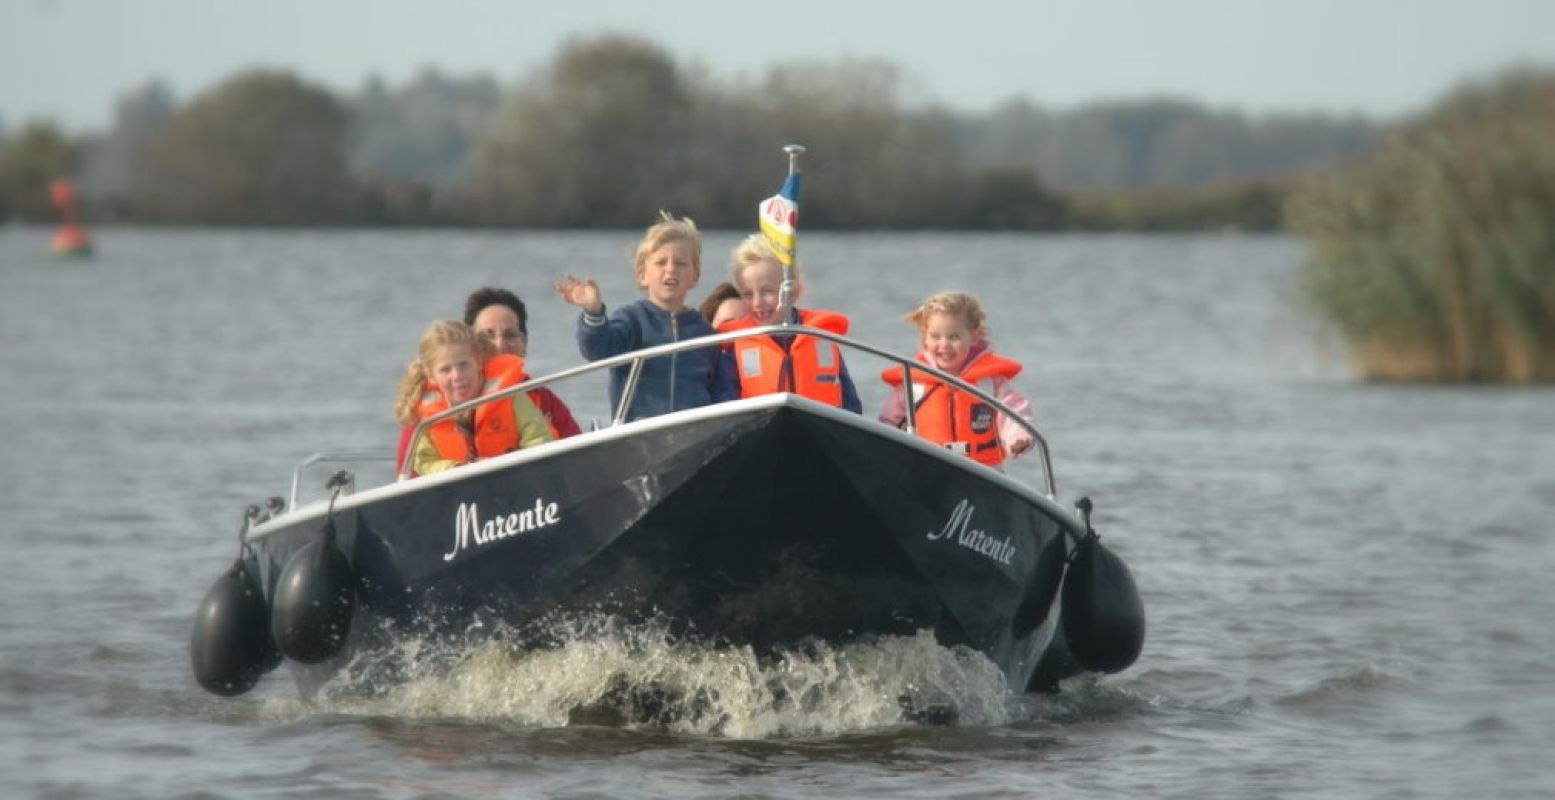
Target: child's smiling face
x=948, y=340
x=668, y=274
x=456, y=372
x=759, y=285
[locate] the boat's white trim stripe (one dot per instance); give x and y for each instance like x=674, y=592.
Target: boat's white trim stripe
x=731, y=408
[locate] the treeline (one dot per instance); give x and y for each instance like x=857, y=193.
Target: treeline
x=614, y=128
x=1434, y=259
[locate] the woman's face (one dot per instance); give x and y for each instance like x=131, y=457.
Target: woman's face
x=456, y=373
x=500, y=326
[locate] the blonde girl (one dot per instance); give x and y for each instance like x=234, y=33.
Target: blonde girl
x=953, y=337
x=454, y=364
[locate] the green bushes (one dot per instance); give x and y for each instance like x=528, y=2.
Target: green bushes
x=1435, y=258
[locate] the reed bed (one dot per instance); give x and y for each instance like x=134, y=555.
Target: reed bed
x=1434, y=259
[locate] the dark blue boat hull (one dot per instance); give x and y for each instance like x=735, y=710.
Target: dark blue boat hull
x=766, y=525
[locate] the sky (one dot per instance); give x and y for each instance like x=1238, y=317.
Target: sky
x=68, y=60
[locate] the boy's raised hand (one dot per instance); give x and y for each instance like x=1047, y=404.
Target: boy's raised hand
x=583, y=293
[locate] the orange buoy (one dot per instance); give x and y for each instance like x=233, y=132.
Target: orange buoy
x=71, y=240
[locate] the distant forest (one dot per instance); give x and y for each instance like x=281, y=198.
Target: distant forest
x=614, y=128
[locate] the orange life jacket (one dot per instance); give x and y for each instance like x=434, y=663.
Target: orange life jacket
x=809, y=366
x=945, y=415
x=496, y=431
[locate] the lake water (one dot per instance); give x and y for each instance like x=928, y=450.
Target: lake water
x=1348, y=585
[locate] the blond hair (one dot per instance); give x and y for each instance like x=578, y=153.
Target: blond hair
x=956, y=303
x=440, y=334
x=754, y=250
x=666, y=231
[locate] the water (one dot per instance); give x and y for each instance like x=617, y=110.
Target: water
x=1347, y=585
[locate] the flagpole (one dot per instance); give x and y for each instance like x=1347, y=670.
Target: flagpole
x=786, y=291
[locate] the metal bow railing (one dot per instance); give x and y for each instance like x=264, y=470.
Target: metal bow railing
x=636, y=359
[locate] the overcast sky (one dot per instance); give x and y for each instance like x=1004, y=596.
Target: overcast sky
x=67, y=60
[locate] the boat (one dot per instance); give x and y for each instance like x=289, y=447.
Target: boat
x=765, y=522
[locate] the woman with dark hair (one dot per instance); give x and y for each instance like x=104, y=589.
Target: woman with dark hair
x=499, y=316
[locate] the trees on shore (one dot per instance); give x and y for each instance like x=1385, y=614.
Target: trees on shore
x=614, y=125
x=1434, y=252
x=261, y=148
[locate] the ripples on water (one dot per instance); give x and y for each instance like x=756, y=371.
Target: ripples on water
x=1347, y=586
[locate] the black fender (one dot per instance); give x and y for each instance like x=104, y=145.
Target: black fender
x=314, y=600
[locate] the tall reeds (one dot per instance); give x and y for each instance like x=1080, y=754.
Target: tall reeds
x=1435, y=258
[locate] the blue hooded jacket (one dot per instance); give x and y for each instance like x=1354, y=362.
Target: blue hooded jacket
x=668, y=383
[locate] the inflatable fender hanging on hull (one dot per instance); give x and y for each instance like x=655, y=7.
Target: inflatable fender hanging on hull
x=1103, y=617
x=314, y=600
x=230, y=646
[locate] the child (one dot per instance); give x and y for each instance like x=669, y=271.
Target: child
x=668, y=265
x=454, y=365
x=779, y=363
x=955, y=340
x=722, y=305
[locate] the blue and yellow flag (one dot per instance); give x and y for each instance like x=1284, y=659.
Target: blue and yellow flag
x=780, y=219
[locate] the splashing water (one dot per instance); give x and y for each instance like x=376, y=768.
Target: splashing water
x=643, y=676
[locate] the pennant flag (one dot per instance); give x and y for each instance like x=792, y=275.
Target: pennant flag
x=780, y=219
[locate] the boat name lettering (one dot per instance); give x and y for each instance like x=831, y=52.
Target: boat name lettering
x=959, y=529
x=469, y=530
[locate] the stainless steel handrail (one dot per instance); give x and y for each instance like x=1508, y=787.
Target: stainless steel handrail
x=339, y=455
x=637, y=357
